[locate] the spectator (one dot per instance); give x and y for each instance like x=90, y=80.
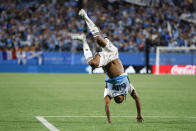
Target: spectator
x=21, y=56
x=42, y=25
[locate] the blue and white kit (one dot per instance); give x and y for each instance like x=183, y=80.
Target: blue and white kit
x=119, y=85
x=108, y=53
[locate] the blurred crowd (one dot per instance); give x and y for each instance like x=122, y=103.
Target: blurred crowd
x=38, y=25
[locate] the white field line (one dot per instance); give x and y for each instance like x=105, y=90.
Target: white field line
x=53, y=128
x=47, y=124
x=171, y=117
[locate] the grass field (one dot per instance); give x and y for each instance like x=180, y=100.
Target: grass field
x=168, y=103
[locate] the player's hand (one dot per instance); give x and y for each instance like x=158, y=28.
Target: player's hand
x=109, y=122
x=139, y=119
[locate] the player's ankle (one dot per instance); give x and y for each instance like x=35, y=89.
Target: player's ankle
x=80, y=37
x=95, y=31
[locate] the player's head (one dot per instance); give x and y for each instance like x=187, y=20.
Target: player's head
x=119, y=99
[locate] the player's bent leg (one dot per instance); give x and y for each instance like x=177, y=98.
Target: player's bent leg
x=80, y=37
x=100, y=41
x=87, y=52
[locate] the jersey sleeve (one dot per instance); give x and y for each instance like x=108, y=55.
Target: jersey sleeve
x=131, y=88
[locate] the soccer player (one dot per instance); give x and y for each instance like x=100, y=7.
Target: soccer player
x=117, y=81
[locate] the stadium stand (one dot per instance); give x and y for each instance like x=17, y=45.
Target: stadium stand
x=36, y=25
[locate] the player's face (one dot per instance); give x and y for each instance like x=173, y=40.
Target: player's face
x=119, y=99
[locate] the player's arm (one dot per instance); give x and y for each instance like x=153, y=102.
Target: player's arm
x=138, y=105
x=107, y=108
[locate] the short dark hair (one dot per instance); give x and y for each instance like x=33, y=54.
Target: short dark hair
x=118, y=99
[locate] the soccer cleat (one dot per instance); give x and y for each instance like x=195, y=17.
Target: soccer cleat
x=82, y=13
x=80, y=37
x=92, y=27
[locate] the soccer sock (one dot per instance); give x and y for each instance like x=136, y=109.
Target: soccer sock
x=92, y=27
x=87, y=52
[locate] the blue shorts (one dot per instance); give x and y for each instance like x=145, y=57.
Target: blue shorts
x=119, y=85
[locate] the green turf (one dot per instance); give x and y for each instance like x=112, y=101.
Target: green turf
x=25, y=96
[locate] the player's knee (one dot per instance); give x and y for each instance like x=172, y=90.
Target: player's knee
x=97, y=37
x=100, y=40
x=94, y=63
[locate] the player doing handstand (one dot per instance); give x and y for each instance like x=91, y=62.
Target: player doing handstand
x=117, y=81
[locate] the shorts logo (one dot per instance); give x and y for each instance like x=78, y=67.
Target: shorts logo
x=119, y=87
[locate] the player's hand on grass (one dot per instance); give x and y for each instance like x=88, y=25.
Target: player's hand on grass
x=109, y=122
x=139, y=119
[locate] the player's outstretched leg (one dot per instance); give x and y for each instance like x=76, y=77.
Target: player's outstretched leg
x=92, y=27
x=87, y=52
